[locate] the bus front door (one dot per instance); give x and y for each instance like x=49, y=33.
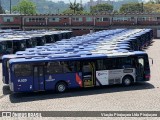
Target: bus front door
x=88, y=74
x=39, y=78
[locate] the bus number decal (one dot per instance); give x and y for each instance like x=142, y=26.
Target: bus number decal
x=50, y=79
x=22, y=80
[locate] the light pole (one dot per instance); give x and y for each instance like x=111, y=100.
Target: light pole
x=142, y=7
x=10, y=7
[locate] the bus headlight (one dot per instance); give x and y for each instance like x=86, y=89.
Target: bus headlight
x=11, y=86
x=3, y=79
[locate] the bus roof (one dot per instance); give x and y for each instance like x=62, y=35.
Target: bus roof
x=65, y=57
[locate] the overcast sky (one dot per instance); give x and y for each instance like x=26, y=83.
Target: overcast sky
x=83, y=1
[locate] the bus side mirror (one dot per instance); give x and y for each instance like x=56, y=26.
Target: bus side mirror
x=12, y=68
x=151, y=60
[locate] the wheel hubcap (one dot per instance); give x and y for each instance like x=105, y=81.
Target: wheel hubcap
x=61, y=88
x=127, y=81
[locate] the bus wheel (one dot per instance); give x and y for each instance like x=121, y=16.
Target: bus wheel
x=127, y=80
x=61, y=87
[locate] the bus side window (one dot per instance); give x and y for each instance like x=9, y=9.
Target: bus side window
x=54, y=68
x=86, y=67
x=66, y=67
x=125, y=63
x=101, y=65
x=35, y=71
x=23, y=70
x=78, y=66
x=71, y=66
x=110, y=64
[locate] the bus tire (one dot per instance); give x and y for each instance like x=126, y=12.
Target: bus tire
x=61, y=87
x=127, y=80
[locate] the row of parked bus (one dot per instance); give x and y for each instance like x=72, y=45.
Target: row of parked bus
x=12, y=41
x=101, y=58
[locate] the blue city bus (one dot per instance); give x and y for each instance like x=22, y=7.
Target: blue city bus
x=6, y=46
x=60, y=72
x=12, y=45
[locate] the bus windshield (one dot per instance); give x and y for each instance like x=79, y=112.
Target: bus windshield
x=49, y=39
x=3, y=47
x=57, y=37
x=9, y=44
x=34, y=43
x=29, y=43
x=41, y=41
x=22, y=45
x=19, y=45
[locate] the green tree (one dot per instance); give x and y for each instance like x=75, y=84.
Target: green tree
x=75, y=7
x=25, y=7
x=150, y=7
x=132, y=7
x=69, y=11
x=154, y=1
x=150, y=2
x=101, y=8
